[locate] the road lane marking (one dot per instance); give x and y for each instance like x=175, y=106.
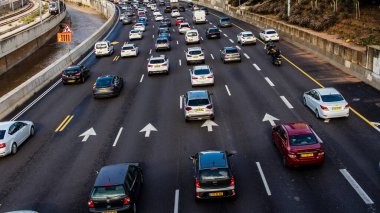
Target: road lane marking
x=177, y=43
x=117, y=137
x=64, y=123
x=180, y=101
x=153, y=35
x=180, y=63
x=287, y=103
x=269, y=81
x=142, y=78
x=231, y=41
x=116, y=58
x=153, y=26
x=246, y=55
x=176, y=200
x=150, y=51
x=239, y=48
x=263, y=178
x=367, y=200
x=201, y=38
x=210, y=22
x=228, y=91
x=257, y=67
x=215, y=27
x=173, y=30
x=212, y=56
x=220, y=30
x=225, y=35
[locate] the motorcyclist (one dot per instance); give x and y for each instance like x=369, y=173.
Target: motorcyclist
x=276, y=54
x=270, y=46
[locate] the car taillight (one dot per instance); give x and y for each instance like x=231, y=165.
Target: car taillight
x=63, y=75
x=194, y=77
x=188, y=108
x=126, y=200
x=324, y=108
x=201, y=55
x=90, y=204
x=232, y=181
x=225, y=55
x=347, y=106
x=211, y=76
x=197, y=183
x=209, y=106
x=2, y=145
x=150, y=65
x=78, y=74
x=164, y=65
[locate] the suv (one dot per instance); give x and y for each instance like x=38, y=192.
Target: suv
x=198, y=105
x=230, y=54
x=116, y=188
x=212, y=32
x=103, y=48
x=213, y=175
x=192, y=36
x=129, y=50
x=158, y=64
x=195, y=55
x=225, y=22
x=162, y=43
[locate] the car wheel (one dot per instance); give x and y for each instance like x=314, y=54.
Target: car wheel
x=14, y=148
x=82, y=79
x=31, y=131
x=316, y=113
x=304, y=101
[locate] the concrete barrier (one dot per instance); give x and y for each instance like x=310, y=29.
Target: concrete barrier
x=23, y=92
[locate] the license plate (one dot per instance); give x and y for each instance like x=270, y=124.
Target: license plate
x=199, y=110
x=157, y=66
x=336, y=108
x=195, y=56
x=103, y=90
x=216, y=194
x=110, y=212
x=306, y=155
x=213, y=36
x=71, y=81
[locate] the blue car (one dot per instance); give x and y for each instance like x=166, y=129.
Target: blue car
x=143, y=20
x=165, y=35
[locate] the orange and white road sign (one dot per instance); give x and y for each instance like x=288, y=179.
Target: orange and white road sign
x=64, y=37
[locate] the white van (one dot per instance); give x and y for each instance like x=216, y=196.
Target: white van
x=103, y=48
x=199, y=16
x=192, y=36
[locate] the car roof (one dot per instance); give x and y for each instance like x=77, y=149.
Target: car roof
x=266, y=30
x=327, y=91
x=197, y=94
x=297, y=128
x=212, y=159
x=112, y=174
x=193, y=30
x=246, y=32
x=157, y=57
x=230, y=48
x=194, y=48
x=102, y=42
x=76, y=67
x=129, y=45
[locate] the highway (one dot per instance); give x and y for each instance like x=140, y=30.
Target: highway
x=55, y=170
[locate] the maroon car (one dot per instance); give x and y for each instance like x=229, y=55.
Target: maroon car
x=298, y=144
x=212, y=33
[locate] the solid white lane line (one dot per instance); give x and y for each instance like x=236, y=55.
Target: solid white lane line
x=180, y=63
x=180, y=101
x=142, y=78
x=269, y=81
x=246, y=55
x=231, y=41
x=257, y=67
x=177, y=43
x=239, y=48
x=228, y=91
x=212, y=56
x=176, y=200
x=150, y=51
x=118, y=136
x=287, y=103
x=263, y=178
x=367, y=200
x=225, y=35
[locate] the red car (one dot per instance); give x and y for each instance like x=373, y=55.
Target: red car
x=298, y=144
x=179, y=20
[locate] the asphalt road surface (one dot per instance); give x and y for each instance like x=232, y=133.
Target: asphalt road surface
x=54, y=171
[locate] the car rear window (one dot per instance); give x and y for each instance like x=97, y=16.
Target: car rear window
x=225, y=19
x=195, y=52
x=103, y=82
x=128, y=48
x=271, y=32
x=71, y=71
x=201, y=71
x=198, y=102
x=300, y=140
x=192, y=34
x=101, y=46
x=247, y=34
x=162, y=41
x=163, y=26
x=211, y=174
x=2, y=134
x=213, y=30
x=135, y=31
x=157, y=61
x=185, y=25
x=332, y=98
x=232, y=51
x=108, y=191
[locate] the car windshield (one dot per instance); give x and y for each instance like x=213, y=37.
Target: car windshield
x=247, y=35
x=271, y=32
x=300, y=140
x=164, y=35
x=213, y=30
x=192, y=34
x=103, y=82
x=164, y=31
x=211, y=174
x=201, y=71
x=108, y=191
x=157, y=61
x=332, y=98
x=231, y=51
x=2, y=134
x=163, y=26
x=71, y=71
x=135, y=31
x=139, y=25
x=195, y=52
x=198, y=102
x=225, y=19
x=128, y=48
x=101, y=46
x=52, y=4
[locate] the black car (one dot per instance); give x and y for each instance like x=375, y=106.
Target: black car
x=167, y=21
x=163, y=27
x=162, y=3
x=213, y=175
x=212, y=32
x=168, y=9
x=205, y=9
x=75, y=74
x=107, y=86
x=181, y=9
x=225, y=22
x=116, y=188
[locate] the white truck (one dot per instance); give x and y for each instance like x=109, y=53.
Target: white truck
x=199, y=16
x=174, y=4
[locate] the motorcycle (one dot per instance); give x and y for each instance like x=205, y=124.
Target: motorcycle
x=277, y=61
x=270, y=50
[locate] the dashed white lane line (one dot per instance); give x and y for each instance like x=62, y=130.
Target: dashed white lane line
x=239, y=48
x=220, y=30
x=225, y=35
x=173, y=30
x=201, y=38
x=263, y=178
x=180, y=101
x=117, y=136
x=152, y=36
x=232, y=41
x=215, y=27
x=257, y=67
x=142, y=78
x=287, y=103
x=177, y=43
x=176, y=200
x=246, y=55
x=210, y=22
x=150, y=51
x=153, y=26
x=212, y=56
x=367, y=200
x=180, y=62
x=269, y=81
x=228, y=90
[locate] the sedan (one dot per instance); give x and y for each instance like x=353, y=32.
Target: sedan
x=225, y=22
x=179, y=20
x=246, y=37
x=162, y=26
x=326, y=103
x=129, y=50
x=157, y=12
x=13, y=134
x=126, y=20
x=167, y=21
x=269, y=34
x=107, y=86
x=201, y=75
x=135, y=34
x=212, y=32
x=158, y=17
x=183, y=27
x=230, y=54
x=139, y=26
x=75, y=74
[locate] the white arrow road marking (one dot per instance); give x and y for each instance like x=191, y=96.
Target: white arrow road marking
x=87, y=134
x=142, y=78
x=209, y=124
x=269, y=81
x=225, y=35
x=377, y=124
x=180, y=101
x=212, y=56
x=180, y=63
x=263, y=178
x=221, y=31
x=287, y=103
x=147, y=129
x=246, y=55
x=176, y=200
x=239, y=48
x=231, y=41
x=367, y=200
x=270, y=118
x=117, y=136
x=257, y=67
x=228, y=90
x=153, y=26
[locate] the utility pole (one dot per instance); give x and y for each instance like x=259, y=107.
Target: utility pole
x=40, y=11
x=288, y=8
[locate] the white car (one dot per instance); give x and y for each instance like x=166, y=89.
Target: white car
x=192, y=36
x=103, y=48
x=129, y=50
x=326, y=103
x=201, y=75
x=157, y=12
x=175, y=13
x=158, y=64
x=13, y=134
x=135, y=34
x=139, y=26
x=158, y=17
x=183, y=27
x=153, y=7
x=122, y=16
x=269, y=34
x=195, y=55
x=246, y=37
x=197, y=105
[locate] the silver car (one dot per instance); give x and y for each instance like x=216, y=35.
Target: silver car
x=198, y=105
x=326, y=103
x=195, y=55
x=13, y=134
x=202, y=75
